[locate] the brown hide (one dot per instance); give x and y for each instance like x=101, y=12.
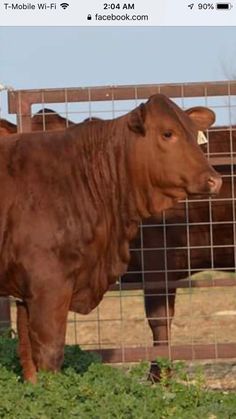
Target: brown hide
x=221, y=140
x=71, y=201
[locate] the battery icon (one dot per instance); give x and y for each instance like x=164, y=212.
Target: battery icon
x=224, y=6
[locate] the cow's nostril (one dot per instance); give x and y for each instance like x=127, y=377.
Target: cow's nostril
x=215, y=183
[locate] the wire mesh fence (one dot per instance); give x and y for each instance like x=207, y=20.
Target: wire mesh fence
x=178, y=296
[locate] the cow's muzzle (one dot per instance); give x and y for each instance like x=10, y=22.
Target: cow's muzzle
x=214, y=183
x=207, y=183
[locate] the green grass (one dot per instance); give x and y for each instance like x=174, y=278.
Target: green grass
x=88, y=389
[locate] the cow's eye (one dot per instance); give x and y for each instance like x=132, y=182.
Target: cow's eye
x=167, y=135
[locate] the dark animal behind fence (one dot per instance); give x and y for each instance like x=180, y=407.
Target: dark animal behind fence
x=48, y=120
x=186, y=241
x=44, y=120
x=7, y=128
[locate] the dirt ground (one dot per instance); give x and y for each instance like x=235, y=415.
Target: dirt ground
x=218, y=375
x=203, y=315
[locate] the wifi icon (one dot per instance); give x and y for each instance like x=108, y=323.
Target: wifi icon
x=64, y=5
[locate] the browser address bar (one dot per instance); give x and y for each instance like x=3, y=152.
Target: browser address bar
x=117, y=13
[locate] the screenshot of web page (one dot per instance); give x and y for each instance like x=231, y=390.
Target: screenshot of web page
x=129, y=252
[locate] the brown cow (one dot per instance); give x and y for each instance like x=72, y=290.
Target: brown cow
x=173, y=264
x=71, y=201
x=7, y=128
x=48, y=120
x=43, y=120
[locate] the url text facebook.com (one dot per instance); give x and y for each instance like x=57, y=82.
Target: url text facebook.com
x=120, y=17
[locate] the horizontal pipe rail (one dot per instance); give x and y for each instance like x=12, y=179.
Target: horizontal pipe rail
x=126, y=92
x=176, y=352
x=23, y=99
x=181, y=283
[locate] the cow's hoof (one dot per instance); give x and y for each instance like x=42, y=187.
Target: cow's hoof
x=157, y=373
x=30, y=377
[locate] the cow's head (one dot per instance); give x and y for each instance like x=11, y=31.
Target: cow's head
x=167, y=159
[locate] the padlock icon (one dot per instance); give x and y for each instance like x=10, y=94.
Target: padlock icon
x=89, y=17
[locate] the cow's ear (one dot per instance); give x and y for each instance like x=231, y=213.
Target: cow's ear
x=137, y=118
x=202, y=117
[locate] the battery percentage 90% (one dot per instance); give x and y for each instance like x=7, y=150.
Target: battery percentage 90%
x=211, y=6
x=206, y=6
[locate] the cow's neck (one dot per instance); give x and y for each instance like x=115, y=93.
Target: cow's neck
x=114, y=205
x=104, y=168
x=118, y=187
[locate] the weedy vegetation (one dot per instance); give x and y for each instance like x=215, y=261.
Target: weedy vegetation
x=86, y=389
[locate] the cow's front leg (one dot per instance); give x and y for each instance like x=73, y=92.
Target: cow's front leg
x=24, y=345
x=47, y=327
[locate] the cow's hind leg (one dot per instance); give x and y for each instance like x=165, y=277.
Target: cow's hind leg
x=160, y=312
x=24, y=346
